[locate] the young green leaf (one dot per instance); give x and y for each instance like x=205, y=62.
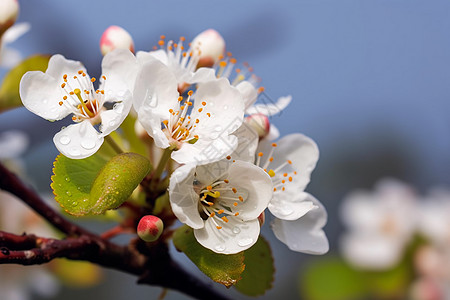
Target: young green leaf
x=224, y=269
x=93, y=185
x=9, y=90
x=259, y=270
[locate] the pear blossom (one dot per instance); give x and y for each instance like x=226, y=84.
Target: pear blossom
x=200, y=130
x=434, y=216
x=299, y=216
x=66, y=88
x=381, y=224
x=115, y=37
x=221, y=201
x=182, y=63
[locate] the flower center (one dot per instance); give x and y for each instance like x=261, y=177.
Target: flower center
x=282, y=175
x=181, y=125
x=220, y=202
x=81, y=98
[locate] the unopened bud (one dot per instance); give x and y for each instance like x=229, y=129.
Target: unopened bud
x=211, y=46
x=261, y=219
x=150, y=228
x=259, y=123
x=9, y=9
x=115, y=37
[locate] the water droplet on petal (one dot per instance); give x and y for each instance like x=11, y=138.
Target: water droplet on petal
x=219, y=248
x=245, y=242
x=285, y=211
x=88, y=144
x=118, y=108
x=45, y=101
x=74, y=152
x=218, y=128
x=112, y=123
x=236, y=230
x=225, y=107
x=64, y=139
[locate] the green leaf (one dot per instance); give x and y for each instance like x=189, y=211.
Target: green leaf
x=93, y=185
x=9, y=90
x=259, y=270
x=224, y=269
x=331, y=278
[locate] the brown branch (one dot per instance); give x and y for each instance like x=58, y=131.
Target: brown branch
x=151, y=263
x=11, y=183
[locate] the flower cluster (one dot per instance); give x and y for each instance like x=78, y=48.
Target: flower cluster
x=394, y=223
x=199, y=108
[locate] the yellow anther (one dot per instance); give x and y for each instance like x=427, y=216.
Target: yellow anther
x=219, y=227
x=283, y=188
x=225, y=219
x=289, y=162
x=260, y=154
x=290, y=178
x=271, y=159
x=200, y=109
x=104, y=77
x=182, y=38
x=166, y=122
x=234, y=190
x=162, y=37
x=203, y=103
x=285, y=174
x=65, y=97
x=208, y=114
x=274, y=144
x=209, y=188
x=60, y=103
x=220, y=211
x=80, y=72
x=235, y=204
x=283, y=181
x=212, y=214
x=226, y=181
x=63, y=85
x=65, y=76
x=216, y=194
x=260, y=89
x=93, y=79
x=271, y=173
x=241, y=199
x=223, y=64
x=233, y=60
x=236, y=214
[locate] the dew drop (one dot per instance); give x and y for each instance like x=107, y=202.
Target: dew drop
x=236, y=230
x=218, y=128
x=225, y=107
x=85, y=200
x=114, y=178
x=245, y=242
x=74, y=152
x=219, y=248
x=112, y=123
x=45, y=101
x=74, y=203
x=68, y=193
x=118, y=108
x=88, y=144
x=67, y=179
x=64, y=140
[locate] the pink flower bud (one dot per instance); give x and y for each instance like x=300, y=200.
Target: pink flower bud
x=150, y=228
x=211, y=46
x=262, y=219
x=115, y=37
x=9, y=9
x=259, y=123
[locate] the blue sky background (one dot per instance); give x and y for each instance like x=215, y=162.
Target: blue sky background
x=369, y=80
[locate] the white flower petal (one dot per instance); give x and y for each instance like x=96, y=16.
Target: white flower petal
x=15, y=32
x=201, y=75
x=9, y=57
x=160, y=55
x=291, y=204
x=234, y=236
x=78, y=141
x=183, y=199
x=209, y=173
x=156, y=89
x=252, y=179
x=270, y=109
x=247, y=143
x=223, y=102
x=205, y=150
x=298, y=148
x=368, y=251
x=113, y=118
x=248, y=93
x=305, y=234
x=152, y=124
x=274, y=133
x=40, y=94
x=120, y=69
x=58, y=65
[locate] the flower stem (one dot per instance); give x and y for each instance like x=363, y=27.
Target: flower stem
x=113, y=144
x=162, y=163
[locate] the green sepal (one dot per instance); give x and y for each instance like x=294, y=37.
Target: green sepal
x=222, y=268
x=259, y=270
